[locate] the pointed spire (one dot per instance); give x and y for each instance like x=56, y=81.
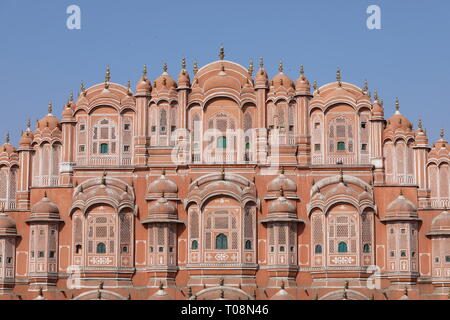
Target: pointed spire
x=183, y=63
x=280, y=66
x=222, y=53
x=107, y=77
x=302, y=71
x=375, y=95
x=83, y=90
x=7, y=138
x=441, y=134
x=195, y=67
x=165, y=67
x=315, y=85
x=50, y=107
x=261, y=62
x=250, y=67
x=397, y=105
x=29, y=123
x=71, y=97
x=128, y=88
x=419, y=124
x=144, y=72
x=338, y=76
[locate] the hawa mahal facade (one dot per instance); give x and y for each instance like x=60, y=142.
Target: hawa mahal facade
x=227, y=186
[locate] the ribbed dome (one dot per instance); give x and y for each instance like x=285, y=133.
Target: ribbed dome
x=165, y=81
x=302, y=84
x=162, y=185
x=162, y=206
x=282, y=80
x=67, y=112
x=222, y=80
x=377, y=109
x=49, y=122
x=282, y=205
x=282, y=182
x=143, y=85
x=261, y=79
x=398, y=122
x=8, y=148
x=441, y=224
x=401, y=205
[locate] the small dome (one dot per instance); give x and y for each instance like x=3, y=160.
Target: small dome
x=302, y=84
x=8, y=148
x=164, y=81
x=282, y=205
x=6, y=222
x=282, y=80
x=377, y=109
x=162, y=185
x=143, y=85
x=27, y=138
x=441, y=224
x=282, y=182
x=261, y=79
x=398, y=122
x=401, y=208
x=45, y=206
x=162, y=206
x=67, y=112
x=184, y=79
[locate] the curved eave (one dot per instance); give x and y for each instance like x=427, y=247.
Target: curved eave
x=37, y=219
x=400, y=218
x=445, y=233
x=157, y=220
x=275, y=219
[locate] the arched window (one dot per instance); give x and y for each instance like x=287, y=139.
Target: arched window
x=222, y=142
x=248, y=245
x=221, y=241
x=318, y=249
x=78, y=249
x=366, y=248
x=101, y=247
x=342, y=247
x=104, y=137
x=194, y=245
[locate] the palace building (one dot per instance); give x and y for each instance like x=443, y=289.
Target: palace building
x=225, y=184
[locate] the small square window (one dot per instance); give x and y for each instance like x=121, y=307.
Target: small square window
x=126, y=127
x=364, y=147
x=272, y=249
x=173, y=128
x=392, y=254
x=41, y=254
x=9, y=260
x=32, y=254
x=447, y=259
x=51, y=254
x=436, y=260
x=151, y=249
x=171, y=249
x=363, y=125
x=153, y=128
x=317, y=125
x=403, y=253
x=403, y=231
x=281, y=248
x=291, y=128
x=126, y=148
x=124, y=249
x=317, y=147
x=163, y=129
x=82, y=127
x=161, y=249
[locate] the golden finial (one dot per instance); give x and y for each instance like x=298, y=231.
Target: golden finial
x=195, y=67
x=222, y=53
x=338, y=76
x=261, y=62
x=397, y=104
x=29, y=123
x=366, y=87
x=37, y=123
x=71, y=97
x=50, y=107
x=128, y=88
x=144, y=72
x=250, y=67
x=108, y=75
x=315, y=85
x=165, y=67
x=280, y=66
x=382, y=102
x=183, y=63
x=419, y=125
x=442, y=133
x=375, y=95
x=302, y=71
x=7, y=138
x=83, y=90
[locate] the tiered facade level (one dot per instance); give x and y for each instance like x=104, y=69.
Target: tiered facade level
x=229, y=186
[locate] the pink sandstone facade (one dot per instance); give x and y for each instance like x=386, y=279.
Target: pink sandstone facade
x=229, y=186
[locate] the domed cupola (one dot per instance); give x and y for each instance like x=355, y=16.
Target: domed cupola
x=183, y=78
x=7, y=147
x=282, y=182
x=401, y=209
x=161, y=186
x=222, y=80
x=7, y=224
x=261, y=78
x=44, y=210
x=143, y=87
x=282, y=205
x=281, y=80
x=162, y=207
x=377, y=107
x=165, y=82
x=398, y=122
x=27, y=137
x=49, y=122
x=302, y=85
x=440, y=226
x=420, y=135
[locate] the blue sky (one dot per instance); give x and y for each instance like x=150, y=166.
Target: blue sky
x=41, y=60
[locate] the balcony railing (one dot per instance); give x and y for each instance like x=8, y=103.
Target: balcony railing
x=440, y=203
x=45, y=181
x=7, y=204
